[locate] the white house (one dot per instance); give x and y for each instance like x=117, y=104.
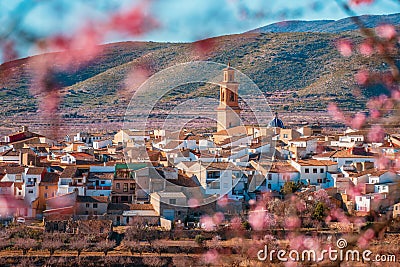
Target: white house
x=273, y=175
x=126, y=135
x=99, y=181
x=102, y=143
x=32, y=179
x=344, y=158
x=220, y=178
x=315, y=172
x=70, y=181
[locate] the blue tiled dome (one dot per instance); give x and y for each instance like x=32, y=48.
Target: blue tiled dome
x=276, y=122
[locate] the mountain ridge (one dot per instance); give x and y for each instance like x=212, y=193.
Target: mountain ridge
x=328, y=26
x=306, y=65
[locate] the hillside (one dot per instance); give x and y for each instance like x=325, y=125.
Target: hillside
x=307, y=65
x=329, y=26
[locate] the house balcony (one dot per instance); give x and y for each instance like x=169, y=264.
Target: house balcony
x=98, y=187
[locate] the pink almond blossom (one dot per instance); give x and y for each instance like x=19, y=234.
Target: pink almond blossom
x=386, y=31
x=345, y=47
x=376, y=134
x=358, y=121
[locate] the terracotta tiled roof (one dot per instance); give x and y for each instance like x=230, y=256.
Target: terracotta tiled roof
x=82, y=156
x=220, y=166
x=50, y=178
x=6, y=184
x=69, y=172
x=183, y=180
x=282, y=167
x=10, y=153
x=35, y=170
x=311, y=162
x=14, y=170
x=141, y=207
x=92, y=199
x=374, y=172
x=101, y=175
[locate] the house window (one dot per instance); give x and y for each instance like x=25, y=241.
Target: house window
x=321, y=170
x=45, y=195
x=269, y=176
x=232, y=97
x=125, y=187
x=172, y=201
x=102, y=182
x=30, y=192
x=307, y=170
x=319, y=181
x=214, y=185
x=46, y=187
x=315, y=170
x=86, y=212
x=269, y=186
x=87, y=205
x=285, y=135
x=132, y=186
x=95, y=205
x=117, y=186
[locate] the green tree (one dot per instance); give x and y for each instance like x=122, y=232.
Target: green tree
x=199, y=239
x=291, y=187
x=319, y=211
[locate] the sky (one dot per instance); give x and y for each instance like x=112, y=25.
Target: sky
x=178, y=20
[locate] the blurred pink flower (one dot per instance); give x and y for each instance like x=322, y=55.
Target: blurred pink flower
x=204, y=47
x=358, y=121
x=193, y=203
x=396, y=94
x=218, y=218
x=344, y=47
x=376, y=134
x=292, y=222
x=310, y=243
x=236, y=223
x=223, y=201
x=386, y=31
x=360, y=2
x=257, y=218
x=134, y=22
x=382, y=163
x=207, y=222
x=9, y=52
x=362, y=77
x=211, y=256
x=336, y=113
x=365, y=238
x=252, y=202
x=366, y=48
x=374, y=113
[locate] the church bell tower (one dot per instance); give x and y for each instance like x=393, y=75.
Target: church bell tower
x=228, y=110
